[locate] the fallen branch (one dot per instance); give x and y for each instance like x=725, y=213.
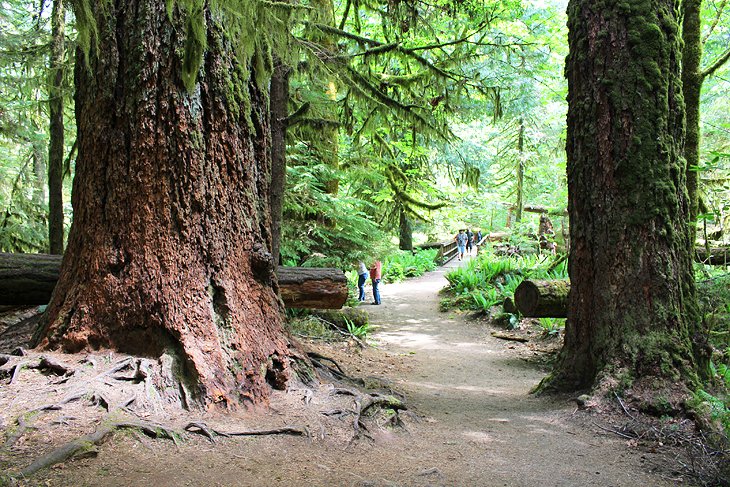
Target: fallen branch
x=505, y=336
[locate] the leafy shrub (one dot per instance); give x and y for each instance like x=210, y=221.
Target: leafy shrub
x=403, y=264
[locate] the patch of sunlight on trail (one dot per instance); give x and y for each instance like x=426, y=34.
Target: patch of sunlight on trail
x=451, y=387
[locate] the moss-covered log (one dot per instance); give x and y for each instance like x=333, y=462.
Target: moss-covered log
x=541, y=299
x=29, y=279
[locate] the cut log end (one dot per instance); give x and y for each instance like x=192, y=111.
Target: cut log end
x=542, y=299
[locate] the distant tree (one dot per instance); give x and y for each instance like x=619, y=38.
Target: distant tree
x=693, y=77
x=632, y=311
x=56, y=129
x=168, y=253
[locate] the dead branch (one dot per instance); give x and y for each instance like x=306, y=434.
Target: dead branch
x=505, y=336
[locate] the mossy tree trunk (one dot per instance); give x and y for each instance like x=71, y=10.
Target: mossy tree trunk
x=279, y=96
x=326, y=134
x=632, y=302
x=55, y=109
x=168, y=251
x=520, y=203
x=693, y=76
x=405, y=241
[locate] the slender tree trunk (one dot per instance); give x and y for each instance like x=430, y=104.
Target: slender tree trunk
x=406, y=232
x=40, y=169
x=632, y=300
x=168, y=251
x=691, y=87
x=279, y=111
x=55, y=149
x=327, y=136
x=520, y=172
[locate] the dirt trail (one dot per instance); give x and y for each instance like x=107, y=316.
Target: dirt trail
x=478, y=425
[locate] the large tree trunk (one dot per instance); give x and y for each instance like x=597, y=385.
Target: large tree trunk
x=632, y=301
x=55, y=148
x=168, y=251
x=29, y=279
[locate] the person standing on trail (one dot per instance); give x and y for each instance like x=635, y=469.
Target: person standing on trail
x=461, y=239
x=375, y=274
x=362, y=276
x=469, y=241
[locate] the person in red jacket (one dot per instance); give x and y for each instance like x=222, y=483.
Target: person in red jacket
x=375, y=274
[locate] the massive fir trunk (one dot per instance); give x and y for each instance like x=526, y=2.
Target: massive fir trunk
x=632, y=299
x=167, y=254
x=55, y=109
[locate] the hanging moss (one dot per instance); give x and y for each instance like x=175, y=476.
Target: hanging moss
x=255, y=29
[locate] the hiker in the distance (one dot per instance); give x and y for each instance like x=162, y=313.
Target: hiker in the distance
x=461, y=239
x=362, y=276
x=469, y=241
x=376, y=269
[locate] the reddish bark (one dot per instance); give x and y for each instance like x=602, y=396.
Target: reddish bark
x=168, y=249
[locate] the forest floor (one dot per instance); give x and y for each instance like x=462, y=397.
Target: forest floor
x=471, y=420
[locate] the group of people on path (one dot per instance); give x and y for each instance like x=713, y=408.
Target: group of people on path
x=466, y=240
x=375, y=272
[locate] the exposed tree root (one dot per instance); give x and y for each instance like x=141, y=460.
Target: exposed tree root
x=210, y=433
x=24, y=424
x=87, y=443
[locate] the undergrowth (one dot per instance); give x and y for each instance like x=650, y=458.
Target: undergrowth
x=489, y=279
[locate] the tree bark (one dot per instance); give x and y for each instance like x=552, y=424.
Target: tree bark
x=29, y=279
x=55, y=148
x=539, y=299
x=168, y=251
x=632, y=303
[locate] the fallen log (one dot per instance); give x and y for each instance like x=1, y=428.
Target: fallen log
x=29, y=279
x=715, y=256
x=308, y=287
x=543, y=299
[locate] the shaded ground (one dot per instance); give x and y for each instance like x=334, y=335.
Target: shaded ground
x=471, y=422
